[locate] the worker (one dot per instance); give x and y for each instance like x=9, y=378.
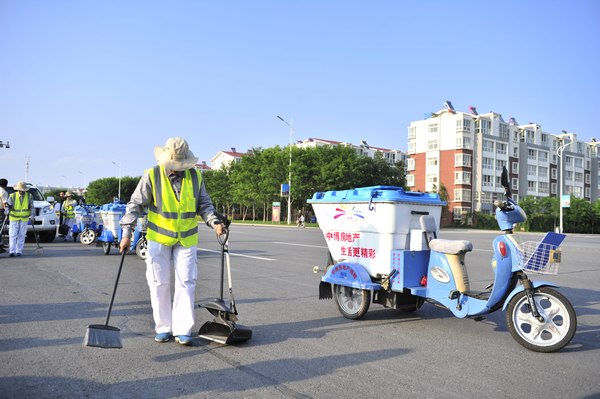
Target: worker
x=3, y=211
x=175, y=195
x=68, y=213
x=20, y=204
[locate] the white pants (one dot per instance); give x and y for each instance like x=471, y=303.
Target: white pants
x=176, y=318
x=17, y=230
x=69, y=222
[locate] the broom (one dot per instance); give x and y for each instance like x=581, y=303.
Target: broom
x=103, y=335
x=39, y=250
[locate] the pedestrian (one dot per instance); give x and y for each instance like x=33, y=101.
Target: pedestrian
x=68, y=213
x=3, y=211
x=175, y=195
x=300, y=221
x=21, y=208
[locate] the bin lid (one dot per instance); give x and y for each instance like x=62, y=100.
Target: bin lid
x=113, y=207
x=377, y=194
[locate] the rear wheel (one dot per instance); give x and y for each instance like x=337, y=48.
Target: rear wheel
x=556, y=329
x=106, y=247
x=87, y=236
x=353, y=303
x=141, y=248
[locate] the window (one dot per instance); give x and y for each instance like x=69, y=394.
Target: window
x=462, y=177
x=410, y=180
x=432, y=128
x=568, y=160
x=543, y=156
x=463, y=125
x=544, y=138
x=587, y=178
x=531, y=154
x=412, y=132
x=488, y=145
x=501, y=148
x=462, y=195
x=553, y=188
x=516, y=152
x=531, y=170
x=483, y=126
x=543, y=187
x=579, y=163
x=553, y=173
x=515, y=183
x=432, y=179
x=515, y=167
x=412, y=148
x=578, y=177
x=457, y=213
x=487, y=163
x=432, y=161
x=500, y=164
x=554, y=158
x=543, y=171
x=432, y=145
x=530, y=136
x=587, y=192
x=531, y=185
x=503, y=130
x=410, y=164
x=486, y=181
x=463, y=142
x=462, y=159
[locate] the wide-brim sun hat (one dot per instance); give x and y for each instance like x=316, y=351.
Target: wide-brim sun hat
x=68, y=194
x=175, y=155
x=21, y=186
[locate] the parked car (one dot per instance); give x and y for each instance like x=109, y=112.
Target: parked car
x=45, y=217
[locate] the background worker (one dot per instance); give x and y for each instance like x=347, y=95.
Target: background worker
x=21, y=208
x=175, y=195
x=3, y=211
x=68, y=213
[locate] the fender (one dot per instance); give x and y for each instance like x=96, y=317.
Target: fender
x=520, y=288
x=106, y=236
x=350, y=275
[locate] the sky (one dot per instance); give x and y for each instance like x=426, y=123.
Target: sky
x=89, y=88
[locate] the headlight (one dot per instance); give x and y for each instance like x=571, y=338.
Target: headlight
x=47, y=209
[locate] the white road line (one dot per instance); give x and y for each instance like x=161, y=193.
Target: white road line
x=299, y=245
x=234, y=254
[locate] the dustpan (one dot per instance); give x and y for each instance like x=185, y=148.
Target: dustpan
x=224, y=329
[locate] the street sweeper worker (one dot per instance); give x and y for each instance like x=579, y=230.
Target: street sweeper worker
x=68, y=213
x=20, y=205
x=175, y=196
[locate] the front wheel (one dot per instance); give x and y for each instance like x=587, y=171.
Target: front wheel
x=106, y=247
x=353, y=303
x=556, y=329
x=87, y=236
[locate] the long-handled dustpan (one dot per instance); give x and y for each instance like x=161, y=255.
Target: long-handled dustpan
x=224, y=329
x=103, y=335
x=2, y=250
x=38, y=250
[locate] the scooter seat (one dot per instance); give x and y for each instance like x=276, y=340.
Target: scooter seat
x=450, y=247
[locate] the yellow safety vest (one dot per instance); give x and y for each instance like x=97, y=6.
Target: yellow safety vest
x=20, y=210
x=171, y=221
x=69, y=207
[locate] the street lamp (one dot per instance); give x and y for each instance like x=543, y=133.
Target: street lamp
x=289, y=211
x=119, y=166
x=559, y=152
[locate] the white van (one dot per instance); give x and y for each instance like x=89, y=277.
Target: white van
x=45, y=217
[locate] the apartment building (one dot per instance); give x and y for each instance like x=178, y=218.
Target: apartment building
x=465, y=152
x=362, y=149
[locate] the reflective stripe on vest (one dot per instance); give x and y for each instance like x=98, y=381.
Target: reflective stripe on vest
x=169, y=220
x=20, y=210
x=70, y=209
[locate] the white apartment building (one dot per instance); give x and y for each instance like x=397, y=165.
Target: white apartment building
x=362, y=149
x=466, y=151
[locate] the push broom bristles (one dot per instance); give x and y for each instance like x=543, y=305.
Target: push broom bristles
x=101, y=336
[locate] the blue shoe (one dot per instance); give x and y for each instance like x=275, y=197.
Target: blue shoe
x=19, y=254
x=162, y=337
x=184, y=340
x=12, y=255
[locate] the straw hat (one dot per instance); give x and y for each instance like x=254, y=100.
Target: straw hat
x=175, y=155
x=68, y=194
x=21, y=186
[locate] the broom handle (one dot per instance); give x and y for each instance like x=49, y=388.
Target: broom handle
x=115, y=289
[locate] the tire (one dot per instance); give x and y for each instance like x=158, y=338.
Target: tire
x=557, y=329
x=87, y=236
x=353, y=303
x=141, y=248
x=106, y=247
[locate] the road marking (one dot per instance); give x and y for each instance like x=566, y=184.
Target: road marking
x=234, y=254
x=299, y=245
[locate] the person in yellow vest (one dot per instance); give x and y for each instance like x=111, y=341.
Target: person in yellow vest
x=175, y=195
x=68, y=213
x=20, y=205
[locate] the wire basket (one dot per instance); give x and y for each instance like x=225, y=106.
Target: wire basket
x=538, y=257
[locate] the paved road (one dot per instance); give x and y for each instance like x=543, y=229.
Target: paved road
x=301, y=348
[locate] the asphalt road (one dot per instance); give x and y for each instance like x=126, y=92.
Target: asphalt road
x=301, y=347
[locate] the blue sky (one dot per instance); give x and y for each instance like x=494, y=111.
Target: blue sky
x=84, y=84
